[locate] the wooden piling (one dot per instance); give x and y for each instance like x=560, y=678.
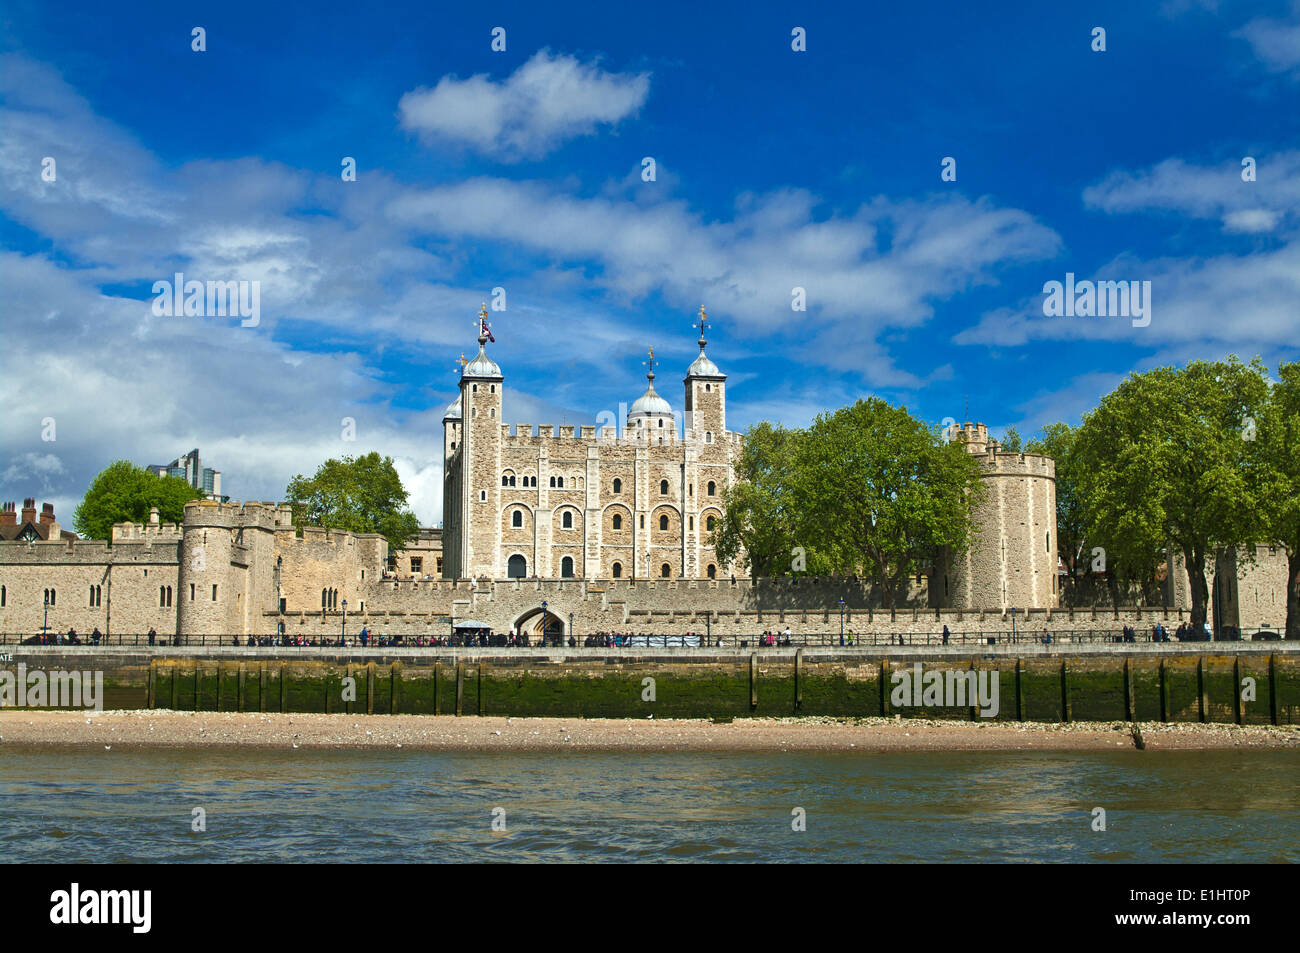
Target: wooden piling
x=1065, y=692
x=1130, y=710
x=1202, y=703
x=152, y=686
x=884, y=688
x=1272, y=688
x=460, y=685
x=1237, y=714
x=753, y=681
x=1164, y=692
x=798, y=679
x=1020, y=689
x=370, y=688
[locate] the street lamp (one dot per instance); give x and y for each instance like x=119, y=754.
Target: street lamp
x=1013, y=626
x=544, y=627
x=46, y=627
x=344, y=634
x=841, y=620
x=708, y=627
x=572, y=638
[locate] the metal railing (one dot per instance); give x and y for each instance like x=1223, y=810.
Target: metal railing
x=625, y=640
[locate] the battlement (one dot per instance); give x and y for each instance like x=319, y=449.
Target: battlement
x=75, y=552
x=211, y=513
x=998, y=462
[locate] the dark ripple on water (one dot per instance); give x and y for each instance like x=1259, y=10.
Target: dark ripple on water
x=72, y=805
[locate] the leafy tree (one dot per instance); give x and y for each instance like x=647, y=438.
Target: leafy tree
x=124, y=493
x=1276, y=465
x=757, y=524
x=361, y=495
x=882, y=493
x=1011, y=441
x=1162, y=463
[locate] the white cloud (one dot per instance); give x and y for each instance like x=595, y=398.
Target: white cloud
x=548, y=100
x=1275, y=42
x=1215, y=191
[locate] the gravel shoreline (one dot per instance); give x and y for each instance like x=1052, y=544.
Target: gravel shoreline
x=118, y=730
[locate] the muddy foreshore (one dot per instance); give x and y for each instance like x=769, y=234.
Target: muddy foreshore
x=161, y=728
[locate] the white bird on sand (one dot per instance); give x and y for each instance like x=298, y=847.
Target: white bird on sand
x=108, y=747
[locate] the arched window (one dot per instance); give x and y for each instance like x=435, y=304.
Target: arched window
x=505, y=480
x=708, y=436
x=665, y=570
x=618, y=521
x=713, y=488
x=661, y=423
x=618, y=485
x=566, y=567
x=3, y=593
x=663, y=522
x=708, y=388
x=517, y=568
x=616, y=570
x=560, y=482
x=663, y=487
x=567, y=520
x=162, y=596
x=712, y=571
x=552, y=482
x=517, y=518
x=708, y=523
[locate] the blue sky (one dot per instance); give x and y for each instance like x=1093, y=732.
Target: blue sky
x=520, y=169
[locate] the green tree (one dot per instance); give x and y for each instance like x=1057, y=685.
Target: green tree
x=1273, y=441
x=1162, y=464
x=757, y=524
x=882, y=493
x=124, y=493
x=1011, y=441
x=359, y=495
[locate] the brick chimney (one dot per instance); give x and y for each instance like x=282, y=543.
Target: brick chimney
x=47, y=512
x=29, y=510
x=8, y=516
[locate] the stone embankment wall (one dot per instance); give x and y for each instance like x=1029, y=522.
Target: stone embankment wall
x=1035, y=683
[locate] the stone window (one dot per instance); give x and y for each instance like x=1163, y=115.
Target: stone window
x=2, y=596
x=417, y=564
x=666, y=571
x=214, y=592
x=439, y=565
x=517, y=519
x=1049, y=542
x=505, y=480
x=708, y=436
x=712, y=488
x=618, y=521
x=616, y=570
x=663, y=487
x=566, y=567
x=482, y=496
x=661, y=423
x=708, y=523
x=618, y=485
x=663, y=522
x=691, y=523
x=560, y=482
x=712, y=571
x=643, y=521
x=708, y=388
x=49, y=597
x=191, y=592
x=552, y=483
x=567, y=520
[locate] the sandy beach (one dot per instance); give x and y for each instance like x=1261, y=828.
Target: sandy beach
x=160, y=728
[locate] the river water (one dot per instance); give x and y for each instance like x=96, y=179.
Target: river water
x=79, y=805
